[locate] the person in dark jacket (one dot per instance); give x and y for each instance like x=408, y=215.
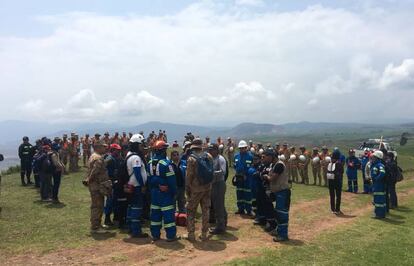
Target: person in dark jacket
x=392, y=171
x=26, y=152
x=180, y=196
x=334, y=176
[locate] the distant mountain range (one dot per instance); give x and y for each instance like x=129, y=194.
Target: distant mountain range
x=11, y=132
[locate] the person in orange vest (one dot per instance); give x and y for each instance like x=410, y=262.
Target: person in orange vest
x=116, y=139
x=73, y=154
x=64, y=152
x=86, y=149
x=107, y=139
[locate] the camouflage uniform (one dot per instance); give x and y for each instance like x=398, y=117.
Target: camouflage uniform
x=324, y=166
x=73, y=155
x=316, y=168
x=303, y=168
x=64, y=152
x=293, y=166
x=86, y=149
x=196, y=194
x=230, y=154
x=97, y=176
x=285, y=151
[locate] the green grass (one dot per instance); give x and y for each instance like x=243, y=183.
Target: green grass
x=363, y=242
x=27, y=225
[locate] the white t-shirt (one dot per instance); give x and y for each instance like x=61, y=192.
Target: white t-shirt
x=135, y=161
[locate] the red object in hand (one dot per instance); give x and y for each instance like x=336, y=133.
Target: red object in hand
x=163, y=188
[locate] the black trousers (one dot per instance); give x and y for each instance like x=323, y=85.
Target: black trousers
x=335, y=191
x=265, y=209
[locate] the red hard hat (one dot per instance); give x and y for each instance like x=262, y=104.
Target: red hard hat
x=115, y=147
x=159, y=145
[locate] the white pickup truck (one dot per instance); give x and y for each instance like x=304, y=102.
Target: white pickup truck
x=374, y=144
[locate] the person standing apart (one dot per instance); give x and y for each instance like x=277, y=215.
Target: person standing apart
x=334, y=175
x=26, y=152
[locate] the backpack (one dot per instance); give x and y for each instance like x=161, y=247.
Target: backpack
x=205, y=168
x=400, y=176
x=331, y=171
x=47, y=165
x=123, y=175
x=37, y=161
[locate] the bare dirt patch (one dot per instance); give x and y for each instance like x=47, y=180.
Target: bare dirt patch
x=308, y=220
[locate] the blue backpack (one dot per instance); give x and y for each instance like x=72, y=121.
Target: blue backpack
x=205, y=169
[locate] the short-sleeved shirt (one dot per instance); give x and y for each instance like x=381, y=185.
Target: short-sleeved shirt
x=135, y=161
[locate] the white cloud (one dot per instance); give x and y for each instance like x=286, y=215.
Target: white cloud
x=139, y=103
x=32, y=106
x=133, y=65
x=249, y=2
x=84, y=106
x=398, y=76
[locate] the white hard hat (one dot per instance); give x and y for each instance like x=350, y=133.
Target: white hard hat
x=137, y=138
x=231, y=149
x=316, y=160
x=327, y=159
x=242, y=144
x=252, y=150
x=378, y=154
x=221, y=146
x=292, y=157
x=282, y=157
x=302, y=158
x=260, y=151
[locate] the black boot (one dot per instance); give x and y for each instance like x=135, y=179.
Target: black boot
x=108, y=221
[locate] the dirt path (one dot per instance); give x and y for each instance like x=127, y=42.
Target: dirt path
x=308, y=220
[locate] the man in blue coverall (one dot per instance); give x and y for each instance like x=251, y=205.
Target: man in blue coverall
x=377, y=175
x=242, y=163
x=352, y=166
x=163, y=189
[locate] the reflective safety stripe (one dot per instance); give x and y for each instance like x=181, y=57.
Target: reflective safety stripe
x=240, y=189
x=167, y=208
x=379, y=193
x=282, y=212
x=122, y=199
x=169, y=225
x=155, y=207
x=248, y=161
x=169, y=174
x=136, y=208
x=380, y=205
x=382, y=170
x=155, y=223
x=163, y=162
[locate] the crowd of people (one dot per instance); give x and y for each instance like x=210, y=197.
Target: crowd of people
x=132, y=178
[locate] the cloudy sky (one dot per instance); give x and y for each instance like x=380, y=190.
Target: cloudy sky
x=206, y=62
